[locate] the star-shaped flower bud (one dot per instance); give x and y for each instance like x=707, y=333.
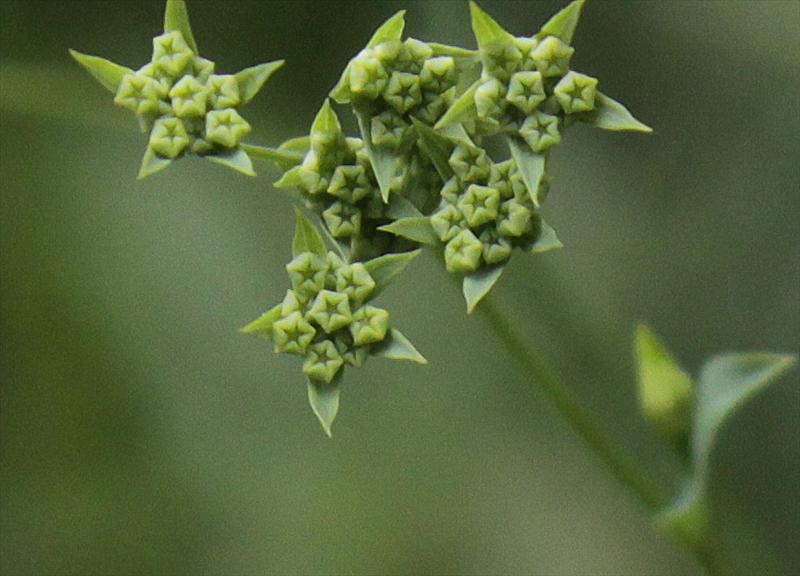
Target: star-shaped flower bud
x=171, y=53
x=447, y=222
x=388, y=52
x=403, y=91
x=463, y=253
x=355, y=281
x=307, y=273
x=342, y=219
x=189, y=97
x=202, y=69
x=323, y=362
x=576, y=92
x=168, y=138
x=368, y=77
x=331, y=310
x=413, y=56
x=496, y=248
x=514, y=219
x=292, y=334
x=292, y=303
x=352, y=355
x=552, y=57
x=540, y=131
x=501, y=60
x=350, y=183
x=223, y=91
x=388, y=129
x=479, y=205
x=226, y=127
x=434, y=106
x=370, y=325
x=140, y=94
x=489, y=99
x=470, y=163
x=500, y=178
x=526, y=91
x=451, y=190
x=438, y=74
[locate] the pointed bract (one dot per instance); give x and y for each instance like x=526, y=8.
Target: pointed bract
x=547, y=239
x=531, y=165
x=563, y=24
x=176, y=18
x=324, y=401
x=105, y=71
x=284, y=159
x=384, y=268
x=236, y=159
x=252, y=79
x=262, y=326
x=487, y=30
x=609, y=114
x=397, y=347
x=306, y=236
x=392, y=29
x=152, y=163
x=462, y=109
x=418, y=229
x=478, y=284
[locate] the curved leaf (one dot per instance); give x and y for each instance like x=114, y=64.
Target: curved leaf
x=105, y=71
x=152, y=163
x=252, y=79
x=236, y=159
x=563, y=24
x=487, y=30
x=478, y=284
x=454, y=51
x=609, y=114
x=462, y=109
x=306, y=236
x=176, y=18
x=530, y=164
x=324, y=401
x=385, y=268
x=397, y=347
x=262, y=326
x=392, y=29
x=417, y=228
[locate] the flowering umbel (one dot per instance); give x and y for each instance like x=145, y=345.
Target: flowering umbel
x=179, y=100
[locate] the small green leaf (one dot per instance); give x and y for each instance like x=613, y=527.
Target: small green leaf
x=252, y=79
x=324, y=401
x=563, y=24
x=262, y=326
x=609, y=114
x=486, y=30
x=418, y=229
x=436, y=147
x=547, y=239
x=478, y=284
x=392, y=29
x=326, y=120
x=306, y=236
x=284, y=159
x=665, y=390
x=152, y=163
x=106, y=72
x=462, y=109
x=236, y=159
x=400, y=207
x=176, y=17
x=397, y=347
x=385, y=161
x=531, y=165
x=454, y=51
x=300, y=144
x=385, y=268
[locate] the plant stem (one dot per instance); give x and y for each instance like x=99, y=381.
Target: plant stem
x=570, y=407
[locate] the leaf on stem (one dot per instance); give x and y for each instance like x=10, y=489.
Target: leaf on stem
x=262, y=326
x=252, y=79
x=609, y=114
x=416, y=228
x=487, y=30
x=283, y=158
x=546, y=240
x=392, y=29
x=176, y=18
x=436, y=147
x=324, y=401
x=462, y=109
x=563, y=24
x=105, y=71
x=385, y=161
x=152, y=163
x=306, y=236
x=397, y=347
x=478, y=284
x=236, y=159
x=385, y=268
x=531, y=166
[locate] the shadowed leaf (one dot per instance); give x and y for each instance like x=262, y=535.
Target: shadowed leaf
x=531, y=166
x=611, y=115
x=486, y=30
x=462, y=109
x=384, y=268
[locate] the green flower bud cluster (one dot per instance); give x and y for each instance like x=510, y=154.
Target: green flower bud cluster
x=485, y=211
x=325, y=317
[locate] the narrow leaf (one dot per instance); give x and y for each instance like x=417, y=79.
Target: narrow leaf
x=462, y=109
x=284, y=159
x=454, y=51
x=385, y=268
x=547, y=239
x=262, y=326
x=418, y=229
x=397, y=347
x=299, y=144
x=176, y=18
x=486, y=30
x=665, y=390
x=306, y=236
x=436, y=147
x=106, y=72
x=400, y=207
x=392, y=29
x=252, y=79
x=152, y=163
x=478, y=284
x=530, y=164
x=609, y=114
x=563, y=24
x=236, y=159
x=324, y=401
x=385, y=162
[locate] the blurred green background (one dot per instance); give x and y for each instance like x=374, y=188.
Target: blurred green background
x=141, y=434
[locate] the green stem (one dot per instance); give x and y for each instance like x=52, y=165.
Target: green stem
x=570, y=407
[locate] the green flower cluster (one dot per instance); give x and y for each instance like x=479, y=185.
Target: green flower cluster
x=485, y=211
x=184, y=106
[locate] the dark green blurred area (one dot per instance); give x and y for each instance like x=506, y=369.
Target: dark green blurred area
x=141, y=434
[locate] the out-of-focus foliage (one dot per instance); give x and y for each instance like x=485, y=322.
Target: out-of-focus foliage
x=140, y=434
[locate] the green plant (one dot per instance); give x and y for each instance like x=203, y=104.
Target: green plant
x=452, y=153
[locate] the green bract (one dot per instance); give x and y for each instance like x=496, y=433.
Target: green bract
x=186, y=108
x=327, y=316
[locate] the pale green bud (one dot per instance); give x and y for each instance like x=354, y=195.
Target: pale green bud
x=496, y=248
x=514, y=219
x=350, y=183
x=342, y=219
x=526, y=91
x=168, y=137
x=223, y=91
x=470, y=163
x=352, y=355
x=576, y=92
x=552, y=57
x=171, y=53
x=370, y=325
x=140, y=94
x=307, y=273
x=540, y=131
x=479, y=204
x=403, y=91
x=189, y=97
x=438, y=74
x=368, y=77
x=330, y=310
x=226, y=127
x=447, y=222
x=388, y=128
x=501, y=60
x=355, y=281
x=463, y=253
x=323, y=362
x=489, y=99
x=292, y=334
